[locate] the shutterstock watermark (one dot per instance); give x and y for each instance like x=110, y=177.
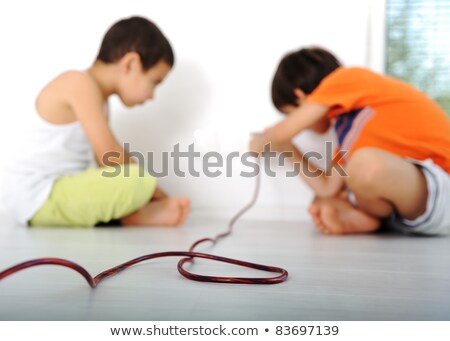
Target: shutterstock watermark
x=214, y=164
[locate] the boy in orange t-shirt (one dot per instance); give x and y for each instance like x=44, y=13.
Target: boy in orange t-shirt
x=394, y=145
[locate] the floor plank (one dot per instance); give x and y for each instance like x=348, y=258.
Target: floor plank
x=372, y=277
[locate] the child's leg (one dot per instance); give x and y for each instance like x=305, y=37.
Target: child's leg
x=381, y=182
x=91, y=197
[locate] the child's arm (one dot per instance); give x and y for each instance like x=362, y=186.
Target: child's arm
x=86, y=101
x=298, y=120
x=280, y=136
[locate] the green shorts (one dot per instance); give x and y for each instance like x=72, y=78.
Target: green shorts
x=95, y=196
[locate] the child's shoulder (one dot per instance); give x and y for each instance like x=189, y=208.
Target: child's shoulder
x=73, y=79
x=70, y=84
x=56, y=99
x=353, y=71
x=351, y=75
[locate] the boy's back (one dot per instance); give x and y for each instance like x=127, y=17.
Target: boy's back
x=371, y=110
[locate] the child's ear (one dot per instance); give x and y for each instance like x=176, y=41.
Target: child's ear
x=300, y=95
x=130, y=61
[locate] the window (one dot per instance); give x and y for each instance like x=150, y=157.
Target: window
x=418, y=45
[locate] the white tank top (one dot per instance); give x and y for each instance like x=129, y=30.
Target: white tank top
x=52, y=151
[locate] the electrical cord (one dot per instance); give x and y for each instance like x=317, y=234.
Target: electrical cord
x=190, y=256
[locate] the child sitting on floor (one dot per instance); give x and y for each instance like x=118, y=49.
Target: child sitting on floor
x=394, y=145
x=54, y=183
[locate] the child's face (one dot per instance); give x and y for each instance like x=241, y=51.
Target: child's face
x=138, y=86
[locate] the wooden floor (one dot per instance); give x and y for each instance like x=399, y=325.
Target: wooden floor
x=371, y=277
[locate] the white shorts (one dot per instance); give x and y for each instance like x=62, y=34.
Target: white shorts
x=436, y=219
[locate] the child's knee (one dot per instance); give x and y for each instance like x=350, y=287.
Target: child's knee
x=139, y=183
x=132, y=189
x=139, y=180
x=366, y=167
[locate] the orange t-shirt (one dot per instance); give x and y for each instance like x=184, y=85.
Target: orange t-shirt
x=371, y=110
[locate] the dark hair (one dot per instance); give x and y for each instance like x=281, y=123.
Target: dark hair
x=138, y=35
x=303, y=69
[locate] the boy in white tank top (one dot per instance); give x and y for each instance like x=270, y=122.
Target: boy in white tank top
x=54, y=183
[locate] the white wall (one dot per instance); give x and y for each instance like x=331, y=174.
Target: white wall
x=226, y=53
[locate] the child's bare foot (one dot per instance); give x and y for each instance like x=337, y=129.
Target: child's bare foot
x=159, y=195
x=338, y=216
x=185, y=206
x=163, y=212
